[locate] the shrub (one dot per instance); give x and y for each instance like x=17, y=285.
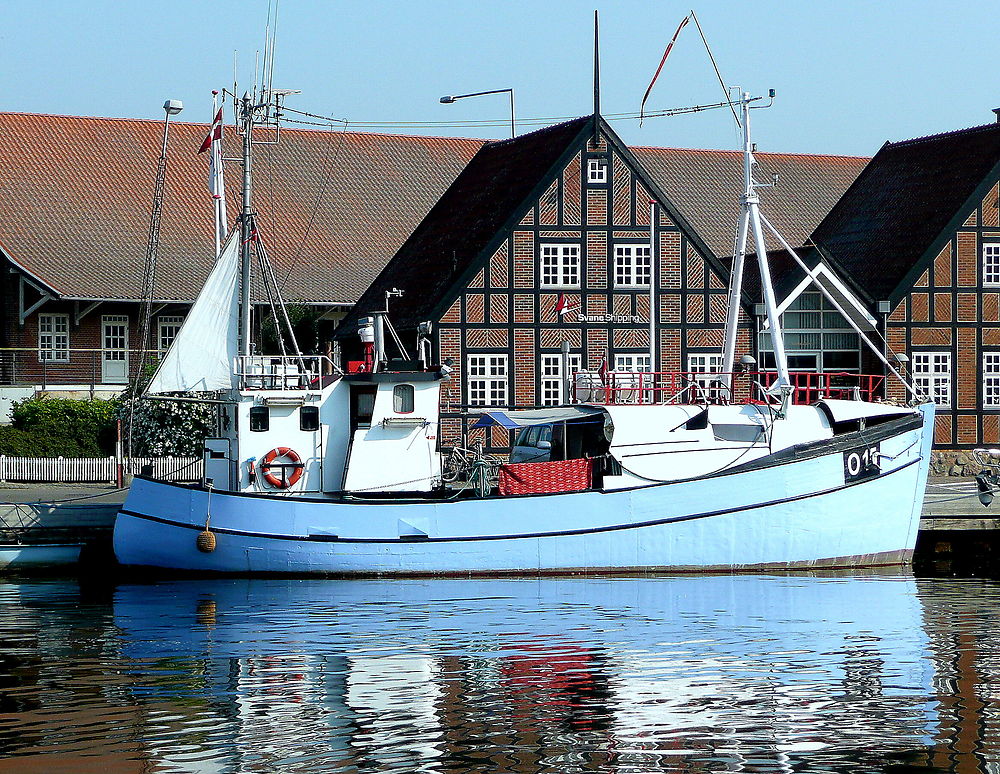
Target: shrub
x=167, y=427
x=15, y=442
x=53, y=427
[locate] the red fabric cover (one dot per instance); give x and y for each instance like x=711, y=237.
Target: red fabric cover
x=545, y=477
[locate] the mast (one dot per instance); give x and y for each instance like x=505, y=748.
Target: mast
x=597, y=82
x=654, y=265
x=750, y=222
x=246, y=225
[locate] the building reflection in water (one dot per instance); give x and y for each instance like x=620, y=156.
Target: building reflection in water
x=686, y=674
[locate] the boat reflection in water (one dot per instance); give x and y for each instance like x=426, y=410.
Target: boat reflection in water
x=721, y=672
x=699, y=673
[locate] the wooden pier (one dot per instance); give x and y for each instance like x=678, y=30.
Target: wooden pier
x=958, y=534
x=47, y=514
x=952, y=503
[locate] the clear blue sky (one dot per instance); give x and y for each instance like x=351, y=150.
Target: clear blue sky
x=849, y=75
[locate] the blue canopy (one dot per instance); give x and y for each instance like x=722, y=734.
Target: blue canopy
x=512, y=420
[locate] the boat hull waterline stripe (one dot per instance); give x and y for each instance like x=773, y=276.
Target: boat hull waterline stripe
x=526, y=535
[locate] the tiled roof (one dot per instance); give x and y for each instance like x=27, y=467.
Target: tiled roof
x=75, y=197
x=705, y=186
x=334, y=206
x=902, y=203
x=472, y=212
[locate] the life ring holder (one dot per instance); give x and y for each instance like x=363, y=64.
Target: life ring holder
x=285, y=479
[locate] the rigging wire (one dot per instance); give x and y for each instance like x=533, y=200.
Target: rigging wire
x=329, y=164
x=718, y=74
x=486, y=123
x=269, y=276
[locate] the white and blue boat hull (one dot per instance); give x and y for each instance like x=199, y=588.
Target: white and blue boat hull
x=797, y=509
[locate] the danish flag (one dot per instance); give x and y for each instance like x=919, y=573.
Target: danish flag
x=213, y=143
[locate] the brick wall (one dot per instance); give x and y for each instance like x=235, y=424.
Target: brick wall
x=20, y=362
x=505, y=311
x=950, y=310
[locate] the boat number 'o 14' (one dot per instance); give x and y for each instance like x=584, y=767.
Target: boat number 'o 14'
x=286, y=479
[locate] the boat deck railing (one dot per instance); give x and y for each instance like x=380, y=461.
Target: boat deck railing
x=660, y=387
x=283, y=372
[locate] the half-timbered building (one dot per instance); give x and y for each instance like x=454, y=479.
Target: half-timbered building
x=543, y=242
x=334, y=206
x=917, y=236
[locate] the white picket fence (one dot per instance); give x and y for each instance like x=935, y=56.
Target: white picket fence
x=74, y=470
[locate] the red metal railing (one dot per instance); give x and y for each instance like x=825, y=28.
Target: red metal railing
x=644, y=387
x=841, y=385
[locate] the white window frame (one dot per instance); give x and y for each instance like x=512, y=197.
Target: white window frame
x=597, y=170
x=486, y=380
x=626, y=389
x=932, y=375
x=53, y=338
x=164, y=323
x=991, y=380
x=552, y=384
x=632, y=361
x=559, y=265
x=709, y=364
x=991, y=263
x=633, y=267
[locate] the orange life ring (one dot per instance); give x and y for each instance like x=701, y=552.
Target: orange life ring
x=294, y=463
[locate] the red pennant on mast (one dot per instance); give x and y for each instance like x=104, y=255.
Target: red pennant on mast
x=215, y=133
x=656, y=75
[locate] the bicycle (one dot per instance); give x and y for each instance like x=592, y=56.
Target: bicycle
x=478, y=469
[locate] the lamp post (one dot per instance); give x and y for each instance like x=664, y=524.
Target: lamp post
x=170, y=108
x=447, y=100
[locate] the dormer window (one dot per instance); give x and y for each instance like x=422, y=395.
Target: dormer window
x=597, y=170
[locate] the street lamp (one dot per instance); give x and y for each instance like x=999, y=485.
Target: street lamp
x=170, y=108
x=447, y=100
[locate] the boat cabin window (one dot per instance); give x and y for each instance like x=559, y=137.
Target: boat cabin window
x=309, y=418
x=260, y=419
x=402, y=398
x=362, y=405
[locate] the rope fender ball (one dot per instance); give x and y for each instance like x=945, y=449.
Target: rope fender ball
x=293, y=464
x=205, y=541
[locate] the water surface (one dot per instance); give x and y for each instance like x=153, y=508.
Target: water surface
x=852, y=673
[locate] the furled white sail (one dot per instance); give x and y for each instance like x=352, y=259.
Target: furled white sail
x=202, y=355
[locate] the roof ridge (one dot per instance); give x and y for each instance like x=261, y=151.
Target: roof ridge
x=205, y=124
x=953, y=133
x=759, y=153
x=550, y=127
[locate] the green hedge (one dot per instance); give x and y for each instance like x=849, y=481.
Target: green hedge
x=60, y=427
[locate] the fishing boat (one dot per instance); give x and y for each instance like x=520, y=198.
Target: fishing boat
x=314, y=470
